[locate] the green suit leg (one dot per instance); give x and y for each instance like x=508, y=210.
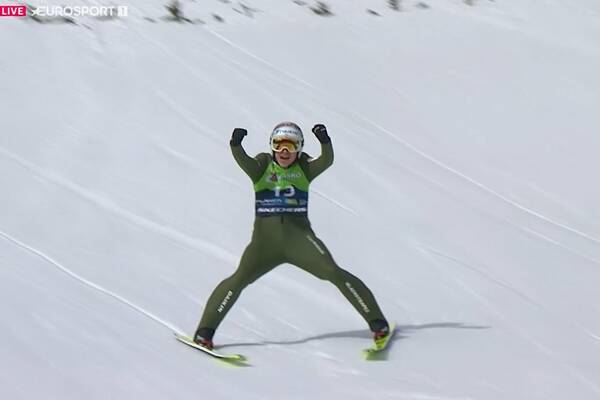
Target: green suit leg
x=310, y=254
x=254, y=263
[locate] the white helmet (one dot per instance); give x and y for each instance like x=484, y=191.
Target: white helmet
x=287, y=132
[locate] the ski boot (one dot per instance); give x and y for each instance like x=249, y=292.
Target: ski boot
x=380, y=329
x=203, y=337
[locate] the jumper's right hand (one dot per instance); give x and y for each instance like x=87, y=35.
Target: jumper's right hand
x=237, y=136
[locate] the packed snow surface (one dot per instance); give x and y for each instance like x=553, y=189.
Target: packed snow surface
x=464, y=192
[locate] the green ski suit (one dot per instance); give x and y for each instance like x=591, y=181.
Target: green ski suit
x=284, y=236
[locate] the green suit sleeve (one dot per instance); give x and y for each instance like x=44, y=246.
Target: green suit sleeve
x=313, y=167
x=253, y=167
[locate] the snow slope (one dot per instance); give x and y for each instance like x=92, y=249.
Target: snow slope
x=462, y=193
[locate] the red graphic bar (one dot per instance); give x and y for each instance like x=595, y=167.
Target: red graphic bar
x=13, y=11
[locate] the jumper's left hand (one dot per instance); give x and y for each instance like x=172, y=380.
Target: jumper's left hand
x=320, y=132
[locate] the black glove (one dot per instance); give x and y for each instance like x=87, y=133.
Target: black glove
x=237, y=136
x=321, y=133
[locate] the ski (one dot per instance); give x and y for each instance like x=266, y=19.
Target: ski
x=377, y=349
x=232, y=358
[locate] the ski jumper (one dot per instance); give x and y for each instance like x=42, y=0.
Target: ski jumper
x=283, y=234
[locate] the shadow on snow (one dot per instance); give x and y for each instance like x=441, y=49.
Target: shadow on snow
x=402, y=332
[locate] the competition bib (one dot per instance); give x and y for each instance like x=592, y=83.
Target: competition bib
x=282, y=191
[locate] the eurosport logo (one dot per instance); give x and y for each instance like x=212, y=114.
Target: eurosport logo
x=80, y=11
x=64, y=11
x=13, y=11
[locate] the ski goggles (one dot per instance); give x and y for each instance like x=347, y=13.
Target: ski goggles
x=279, y=145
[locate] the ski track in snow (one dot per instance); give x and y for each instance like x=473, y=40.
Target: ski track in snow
x=89, y=283
x=110, y=206
x=335, y=202
x=188, y=117
x=193, y=163
x=242, y=71
x=484, y=211
x=482, y=186
x=558, y=244
x=571, y=370
x=510, y=287
x=194, y=72
x=263, y=61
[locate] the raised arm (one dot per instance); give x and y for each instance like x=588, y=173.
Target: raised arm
x=253, y=167
x=314, y=167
